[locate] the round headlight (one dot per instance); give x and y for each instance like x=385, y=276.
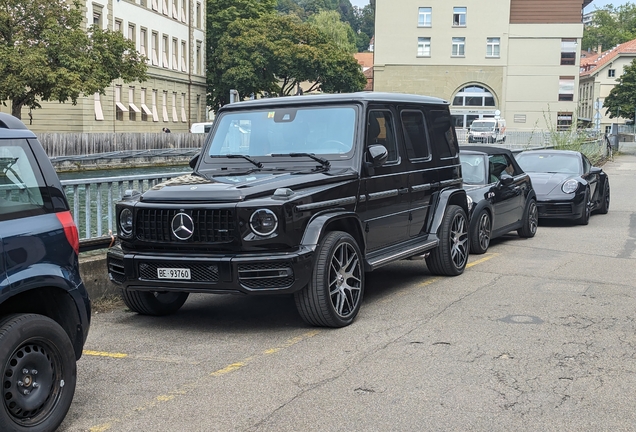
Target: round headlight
x=570, y=186
x=263, y=222
x=126, y=222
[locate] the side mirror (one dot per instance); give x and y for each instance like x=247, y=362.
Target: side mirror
x=378, y=155
x=595, y=170
x=505, y=179
x=193, y=161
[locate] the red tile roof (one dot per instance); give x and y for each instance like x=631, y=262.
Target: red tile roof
x=365, y=60
x=591, y=64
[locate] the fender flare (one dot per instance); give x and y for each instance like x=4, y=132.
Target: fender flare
x=445, y=198
x=318, y=224
x=478, y=207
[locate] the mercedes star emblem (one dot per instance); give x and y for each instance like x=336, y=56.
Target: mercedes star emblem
x=182, y=226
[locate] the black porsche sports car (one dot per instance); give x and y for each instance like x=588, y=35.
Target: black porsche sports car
x=566, y=183
x=500, y=194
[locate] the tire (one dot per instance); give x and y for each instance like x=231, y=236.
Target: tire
x=585, y=217
x=450, y=256
x=154, y=303
x=38, y=372
x=530, y=220
x=605, y=203
x=334, y=294
x=480, y=236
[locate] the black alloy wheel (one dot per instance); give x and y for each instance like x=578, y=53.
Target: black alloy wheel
x=605, y=199
x=480, y=237
x=334, y=295
x=449, y=258
x=156, y=303
x=530, y=220
x=38, y=373
x=585, y=217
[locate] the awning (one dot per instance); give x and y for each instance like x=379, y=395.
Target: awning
x=134, y=107
x=145, y=109
x=121, y=106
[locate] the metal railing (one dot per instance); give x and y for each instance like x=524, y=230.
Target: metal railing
x=93, y=201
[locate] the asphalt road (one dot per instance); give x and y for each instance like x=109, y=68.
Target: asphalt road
x=538, y=334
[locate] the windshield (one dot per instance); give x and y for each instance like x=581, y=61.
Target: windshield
x=473, y=168
x=266, y=132
x=549, y=162
x=482, y=126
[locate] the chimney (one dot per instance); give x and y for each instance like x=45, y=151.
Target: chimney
x=598, y=50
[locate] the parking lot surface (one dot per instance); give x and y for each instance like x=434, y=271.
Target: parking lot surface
x=537, y=334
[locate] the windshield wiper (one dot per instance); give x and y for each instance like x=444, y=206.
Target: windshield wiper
x=240, y=156
x=322, y=161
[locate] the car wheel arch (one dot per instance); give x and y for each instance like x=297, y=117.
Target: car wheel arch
x=446, y=198
x=322, y=223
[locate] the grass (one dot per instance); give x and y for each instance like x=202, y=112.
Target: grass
x=107, y=304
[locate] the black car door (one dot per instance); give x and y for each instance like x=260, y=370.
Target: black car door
x=507, y=196
x=385, y=213
x=592, y=178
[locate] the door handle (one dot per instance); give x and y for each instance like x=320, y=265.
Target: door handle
x=403, y=191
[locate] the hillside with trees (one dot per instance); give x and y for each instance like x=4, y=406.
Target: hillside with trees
x=611, y=26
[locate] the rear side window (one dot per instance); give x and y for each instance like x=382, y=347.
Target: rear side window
x=415, y=134
x=443, y=134
x=22, y=188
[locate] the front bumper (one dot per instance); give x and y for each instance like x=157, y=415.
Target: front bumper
x=563, y=209
x=263, y=273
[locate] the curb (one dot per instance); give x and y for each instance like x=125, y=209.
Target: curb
x=95, y=275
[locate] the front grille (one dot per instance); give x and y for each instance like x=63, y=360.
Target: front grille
x=210, y=226
x=555, y=209
x=265, y=275
x=198, y=272
x=116, y=270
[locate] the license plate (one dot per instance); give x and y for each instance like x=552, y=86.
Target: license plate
x=173, y=273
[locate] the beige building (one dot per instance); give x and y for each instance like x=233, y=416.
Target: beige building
x=517, y=59
x=599, y=75
x=171, y=34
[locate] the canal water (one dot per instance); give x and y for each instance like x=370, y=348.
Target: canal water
x=92, y=174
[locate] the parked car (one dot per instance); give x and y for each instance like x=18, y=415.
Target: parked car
x=44, y=306
x=300, y=195
x=567, y=185
x=500, y=194
x=200, y=128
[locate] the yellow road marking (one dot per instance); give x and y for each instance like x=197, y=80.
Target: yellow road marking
x=481, y=260
x=185, y=389
x=104, y=354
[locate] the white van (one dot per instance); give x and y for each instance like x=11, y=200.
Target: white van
x=487, y=130
x=201, y=127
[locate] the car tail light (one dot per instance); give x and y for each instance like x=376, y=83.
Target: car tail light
x=70, y=230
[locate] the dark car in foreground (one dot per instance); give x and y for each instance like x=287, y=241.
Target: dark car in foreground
x=44, y=306
x=299, y=195
x=500, y=194
x=568, y=186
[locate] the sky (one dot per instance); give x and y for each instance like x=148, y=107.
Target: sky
x=597, y=4
x=359, y=3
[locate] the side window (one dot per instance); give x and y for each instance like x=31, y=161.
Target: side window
x=443, y=134
x=499, y=164
x=21, y=183
x=587, y=165
x=381, y=130
x=415, y=134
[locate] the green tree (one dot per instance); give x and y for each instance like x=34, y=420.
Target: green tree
x=366, y=26
x=622, y=98
x=220, y=15
x=274, y=53
x=329, y=24
x=611, y=26
x=46, y=55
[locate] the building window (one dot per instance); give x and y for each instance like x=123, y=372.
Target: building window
x=120, y=108
x=459, y=44
x=142, y=3
x=155, y=5
x=155, y=115
x=611, y=73
x=165, y=7
x=132, y=113
x=145, y=111
x=164, y=51
x=175, y=118
x=564, y=121
x=97, y=16
x=492, y=47
x=566, y=88
x=175, y=53
x=155, y=42
x=131, y=32
x=198, y=15
x=568, y=51
x=423, y=47
x=142, y=41
x=425, y=17
x=474, y=96
x=199, y=59
x=164, y=103
x=184, y=57
x=99, y=113
x=459, y=17
x=198, y=108
x=183, y=11
x=184, y=117
x=117, y=26
x=175, y=9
